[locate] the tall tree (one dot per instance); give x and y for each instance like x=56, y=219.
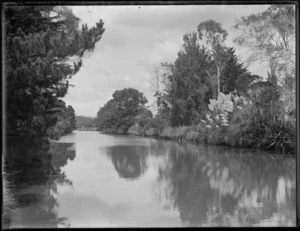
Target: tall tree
x=190, y=85
x=119, y=113
x=40, y=44
x=193, y=78
x=213, y=35
x=235, y=76
x=270, y=36
x=161, y=86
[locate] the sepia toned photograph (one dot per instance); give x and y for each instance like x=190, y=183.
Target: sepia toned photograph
x=149, y=114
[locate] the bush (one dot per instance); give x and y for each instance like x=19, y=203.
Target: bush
x=168, y=132
x=282, y=136
x=236, y=121
x=279, y=135
x=215, y=127
x=158, y=123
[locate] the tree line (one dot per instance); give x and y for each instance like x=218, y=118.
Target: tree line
x=84, y=122
x=207, y=75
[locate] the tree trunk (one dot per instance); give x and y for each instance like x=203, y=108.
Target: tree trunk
x=272, y=66
x=218, y=82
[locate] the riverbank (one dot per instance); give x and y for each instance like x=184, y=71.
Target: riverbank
x=86, y=129
x=193, y=134
x=184, y=133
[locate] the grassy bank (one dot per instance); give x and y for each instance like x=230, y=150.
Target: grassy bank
x=278, y=136
x=233, y=121
x=184, y=133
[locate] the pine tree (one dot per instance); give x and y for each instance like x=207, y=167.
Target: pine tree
x=39, y=42
x=234, y=76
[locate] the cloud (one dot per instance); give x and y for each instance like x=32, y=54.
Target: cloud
x=104, y=72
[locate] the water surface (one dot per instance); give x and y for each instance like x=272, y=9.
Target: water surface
x=127, y=181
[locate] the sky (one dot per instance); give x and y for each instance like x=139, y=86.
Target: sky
x=136, y=40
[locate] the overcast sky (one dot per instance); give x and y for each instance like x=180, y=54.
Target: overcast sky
x=136, y=39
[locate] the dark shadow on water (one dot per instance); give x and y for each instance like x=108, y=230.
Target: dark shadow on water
x=35, y=189
x=219, y=186
x=129, y=161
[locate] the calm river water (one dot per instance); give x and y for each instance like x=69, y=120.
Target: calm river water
x=127, y=181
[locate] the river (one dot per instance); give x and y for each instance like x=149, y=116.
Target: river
x=127, y=181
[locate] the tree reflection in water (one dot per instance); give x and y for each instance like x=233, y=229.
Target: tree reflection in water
x=197, y=185
x=221, y=186
x=36, y=190
x=129, y=161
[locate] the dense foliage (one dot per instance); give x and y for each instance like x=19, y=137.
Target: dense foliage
x=119, y=113
x=84, y=121
x=206, y=70
x=270, y=37
x=238, y=121
x=65, y=122
x=193, y=78
x=43, y=49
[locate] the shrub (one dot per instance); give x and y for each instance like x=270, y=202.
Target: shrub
x=168, y=132
x=279, y=135
x=223, y=112
x=158, y=123
x=236, y=121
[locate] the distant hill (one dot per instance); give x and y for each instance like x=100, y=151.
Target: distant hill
x=84, y=122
